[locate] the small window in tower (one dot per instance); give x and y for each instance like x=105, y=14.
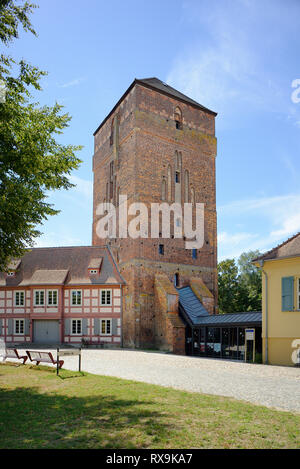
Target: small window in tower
x=178, y=118
x=177, y=176
x=161, y=249
x=111, y=139
x=194, y=253
x=176, y=280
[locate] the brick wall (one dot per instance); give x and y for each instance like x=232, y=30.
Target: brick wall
x=147, y=145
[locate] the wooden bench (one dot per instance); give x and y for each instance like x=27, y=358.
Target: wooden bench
x=43, y=357
x=13, y=353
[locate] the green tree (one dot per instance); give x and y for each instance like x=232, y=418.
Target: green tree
x=228, y=286
x=239, y=284
x=250, y=279
x=32, y=161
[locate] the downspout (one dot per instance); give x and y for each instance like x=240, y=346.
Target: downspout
x=266, y=312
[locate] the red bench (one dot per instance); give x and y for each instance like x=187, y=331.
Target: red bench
x=13, y=353
x=43, y=357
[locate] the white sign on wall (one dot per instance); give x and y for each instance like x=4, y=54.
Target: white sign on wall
x=250, y=334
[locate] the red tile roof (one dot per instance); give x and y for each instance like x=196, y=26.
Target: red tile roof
x=64, y=265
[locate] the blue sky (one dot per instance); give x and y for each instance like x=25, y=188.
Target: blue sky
x=237, y=57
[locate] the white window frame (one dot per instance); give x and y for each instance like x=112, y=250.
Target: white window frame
x=77, y=320
x=298, y=293
x=76, y=304
x=105, y=303
x=106, y=320
x=15, y=326
x=34, y=298
x=51, y=291
x=15, y=298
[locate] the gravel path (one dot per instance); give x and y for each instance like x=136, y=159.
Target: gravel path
x=272, y=386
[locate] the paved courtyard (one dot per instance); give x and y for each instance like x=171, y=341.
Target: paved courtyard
x=271, y=386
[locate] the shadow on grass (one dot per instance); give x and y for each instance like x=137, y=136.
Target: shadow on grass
x=29, y=419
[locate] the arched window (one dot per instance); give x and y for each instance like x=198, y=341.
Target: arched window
x=186, y=186
x=192, y=195
x=178, y=118
x=169, y=184
x=111, y=139
x=176, y=279
x=163, y=189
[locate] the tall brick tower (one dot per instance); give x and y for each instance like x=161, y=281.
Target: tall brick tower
x=158, y=145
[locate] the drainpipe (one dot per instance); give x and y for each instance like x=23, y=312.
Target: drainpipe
x=266, y=312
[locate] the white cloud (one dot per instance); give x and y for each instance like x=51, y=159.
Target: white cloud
x=82, y=186
x=271, y=220
x=74, y=82
x=57, y=239
x=232, y=70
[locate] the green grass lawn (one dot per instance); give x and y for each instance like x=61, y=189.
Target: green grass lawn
x=39, y=410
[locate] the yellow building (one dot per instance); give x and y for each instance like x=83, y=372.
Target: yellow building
x=281, y=303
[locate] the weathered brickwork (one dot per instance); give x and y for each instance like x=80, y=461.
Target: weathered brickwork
x=140, y=138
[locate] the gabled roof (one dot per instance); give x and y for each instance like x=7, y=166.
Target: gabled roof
x=164, y=88
x=157, y=85
x=289, y=248
x=46, y=277
x=95, y=263
x=64, y=265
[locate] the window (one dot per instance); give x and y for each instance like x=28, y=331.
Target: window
x=161, y=249
x=178, y=118
x=298, y=294
x=186, y=186
x=111, y=139
x=19, y=326
x=105, y=326
x=176, y=280
x=19, y=298
x=169, y=183
x=177, y=176
x=287, y=293
x=76, y=326
x=76, y=297
x=194, y=253
x=39, y=297
x=163, y=189
x=106, y=297
x=52, y=298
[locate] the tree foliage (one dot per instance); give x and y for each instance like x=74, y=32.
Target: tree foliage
x=239, y=284
x=32, y=161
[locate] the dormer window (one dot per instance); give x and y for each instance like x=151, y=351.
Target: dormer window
x=95, y=266
x=13, y=267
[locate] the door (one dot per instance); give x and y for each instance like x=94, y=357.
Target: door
x=46, y=332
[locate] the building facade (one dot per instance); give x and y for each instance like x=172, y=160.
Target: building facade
x=281, y=302
x=62, y=295
x=158, y=145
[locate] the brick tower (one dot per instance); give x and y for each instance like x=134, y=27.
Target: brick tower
x=158, y=145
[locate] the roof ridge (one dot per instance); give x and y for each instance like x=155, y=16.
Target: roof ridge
x=276, y=247
x=66, y=247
